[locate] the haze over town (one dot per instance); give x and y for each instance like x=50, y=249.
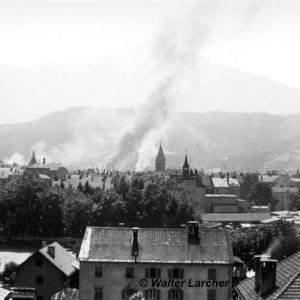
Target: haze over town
x=59, y=54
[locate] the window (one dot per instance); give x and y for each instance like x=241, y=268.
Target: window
x=127, y=293
x=152, y=273
x=175, y=294
x=152, y=294
x=98, y=293
x=211, y=294
x=98, y=271
x=39, y=280
x=212, y=274
x=129, y=272
x=39, y=262
x=175, y=273
x=40, y=298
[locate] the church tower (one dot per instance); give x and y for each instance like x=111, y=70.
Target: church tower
x=186, y=168
x=160, y=161
x=33, y=159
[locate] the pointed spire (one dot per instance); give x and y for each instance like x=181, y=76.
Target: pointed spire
x=160, y=161
x=33, y=159
x=186, y=167
x=186, y=164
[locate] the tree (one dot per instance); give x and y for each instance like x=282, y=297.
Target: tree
x=294, y=202
x=278, y=240
x=261, y=194
x=249, y=180
x=77, y=213
x=9, y=273
x=80, y=187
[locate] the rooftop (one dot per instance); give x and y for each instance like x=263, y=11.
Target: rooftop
x=287, y=282
x=107, y=244
x=63, y=259
x=235, y=217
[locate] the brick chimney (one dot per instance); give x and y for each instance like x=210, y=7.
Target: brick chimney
x=193, y=232
x=135, y=243
x=51, y=251
x=265, y=274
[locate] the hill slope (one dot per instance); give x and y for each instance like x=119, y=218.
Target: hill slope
x=86, y=136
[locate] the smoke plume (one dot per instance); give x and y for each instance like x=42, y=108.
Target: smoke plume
x=175, y=51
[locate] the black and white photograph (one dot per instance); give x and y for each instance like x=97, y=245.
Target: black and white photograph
x=149, y=150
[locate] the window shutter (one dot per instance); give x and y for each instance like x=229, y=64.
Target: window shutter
x=158, y=273
x=147, y=294
x=170, y=273
x=147, y=273
x=180, y=273
x=181, y=294
x=158, y=294
x=169, y=294
x=123, y=294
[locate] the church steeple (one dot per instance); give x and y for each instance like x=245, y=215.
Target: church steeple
x=160, y=161
x=33, y=159
x=186, y=167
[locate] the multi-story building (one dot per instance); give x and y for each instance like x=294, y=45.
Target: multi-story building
x=190, y=263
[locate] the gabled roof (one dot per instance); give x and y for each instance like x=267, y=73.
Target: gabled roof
x=287, y=282
x=63, y=259
x=107, y=244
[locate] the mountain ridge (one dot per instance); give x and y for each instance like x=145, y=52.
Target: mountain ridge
x=83, y=136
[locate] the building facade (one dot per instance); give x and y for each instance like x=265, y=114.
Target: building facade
x=117, y=262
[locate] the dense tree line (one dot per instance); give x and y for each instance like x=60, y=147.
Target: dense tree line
x=29, y=207
x=279, y=240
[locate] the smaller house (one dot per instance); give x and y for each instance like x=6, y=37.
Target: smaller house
x=48, y=270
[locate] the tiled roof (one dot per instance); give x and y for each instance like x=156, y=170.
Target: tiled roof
x=156, y=245
x=66, y=294
x=287, y=282
x=235, y=217
x=51, y=167
x=219, y=182
x=63, y=259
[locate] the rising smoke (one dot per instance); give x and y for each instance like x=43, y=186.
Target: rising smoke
x=176, y=53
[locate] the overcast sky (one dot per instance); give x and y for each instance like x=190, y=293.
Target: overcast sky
x=59, y=54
